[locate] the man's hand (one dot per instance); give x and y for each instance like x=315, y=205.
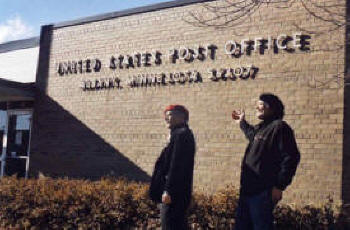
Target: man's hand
x=238, y=115
x=276, y=195
x=166, y=199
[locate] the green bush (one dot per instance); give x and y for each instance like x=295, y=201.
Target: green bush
x=120, y=204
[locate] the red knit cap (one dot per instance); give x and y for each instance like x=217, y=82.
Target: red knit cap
x=179, y=108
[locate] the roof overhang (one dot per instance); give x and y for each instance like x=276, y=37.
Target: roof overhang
x=16, y=91
x=20, y=44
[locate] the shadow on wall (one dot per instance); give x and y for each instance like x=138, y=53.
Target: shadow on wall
x=346, y=143
x=63, y=146
x=346, y=124
x=44, y=58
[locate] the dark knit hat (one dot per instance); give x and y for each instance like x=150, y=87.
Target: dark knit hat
x=275, y=104
x=179, y=108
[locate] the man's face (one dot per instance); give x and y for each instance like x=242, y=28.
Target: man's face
x=174, y=118
x=263, y=110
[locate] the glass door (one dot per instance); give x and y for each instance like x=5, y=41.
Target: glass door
x=17, y=138
x=3, y=138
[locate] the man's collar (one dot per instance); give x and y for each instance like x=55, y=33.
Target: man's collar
x=267, y=121
x=178, y=126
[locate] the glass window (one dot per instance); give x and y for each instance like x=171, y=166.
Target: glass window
x=18, y=139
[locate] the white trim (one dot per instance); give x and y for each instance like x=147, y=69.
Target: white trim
x=18, y=157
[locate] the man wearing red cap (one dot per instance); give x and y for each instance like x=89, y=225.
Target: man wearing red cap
x=172, y=178
x=268, y=165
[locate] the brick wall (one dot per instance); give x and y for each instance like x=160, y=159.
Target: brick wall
x=92, y=133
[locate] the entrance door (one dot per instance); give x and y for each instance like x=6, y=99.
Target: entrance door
x=3, y=137
x=16, y=143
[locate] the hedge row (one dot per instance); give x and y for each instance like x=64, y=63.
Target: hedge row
x=119, y=204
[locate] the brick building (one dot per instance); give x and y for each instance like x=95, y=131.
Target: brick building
x=103, y=83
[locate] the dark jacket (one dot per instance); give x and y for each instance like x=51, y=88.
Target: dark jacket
x=173, y=171
x=271, y=157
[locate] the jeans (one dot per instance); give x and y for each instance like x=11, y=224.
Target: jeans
x=173, y=217
x=255, y=212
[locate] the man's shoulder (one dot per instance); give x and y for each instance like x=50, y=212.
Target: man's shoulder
x=281, y=124
x=182, y=133
x=180, y=130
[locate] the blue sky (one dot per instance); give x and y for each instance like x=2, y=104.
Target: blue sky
x=21, y=19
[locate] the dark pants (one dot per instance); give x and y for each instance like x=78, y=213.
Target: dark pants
x=254, y=212
x=173, y=217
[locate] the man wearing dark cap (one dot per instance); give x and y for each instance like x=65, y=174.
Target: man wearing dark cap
x=268, y=165
x=171, y=183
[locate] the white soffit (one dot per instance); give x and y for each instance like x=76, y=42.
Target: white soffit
x=19, y=65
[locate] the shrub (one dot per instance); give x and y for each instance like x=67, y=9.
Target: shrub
x=72, y=204
x=120, y=204
x=214, y=211
x=309, y=217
